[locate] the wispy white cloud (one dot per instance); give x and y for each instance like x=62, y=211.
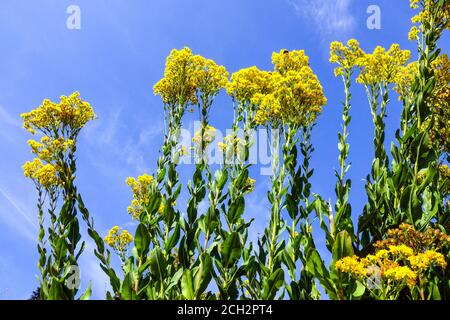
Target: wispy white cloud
x=330, y=17
x=12, y=213
x=124, y=149
x=7, y=118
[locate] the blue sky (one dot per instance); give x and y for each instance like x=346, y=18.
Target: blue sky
x=115, y=59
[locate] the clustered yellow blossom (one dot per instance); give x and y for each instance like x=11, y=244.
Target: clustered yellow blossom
x=423, y=261
x=231, y=143
x=48, y=149
x=70, y=113
x=382, y=66
x=141, y=188
x=352, y=265
x=431, y=239
x=209, y=134
x=248, y=82
x=296, y=95
x=403, y=257
x=346, y=56
x=404, y=79
x=430, y=12
x=187, y=75
x=118, y=240
x=401, y=274
x=45, y=175
x=250, y=185
x=439, y=102
x=210, y=77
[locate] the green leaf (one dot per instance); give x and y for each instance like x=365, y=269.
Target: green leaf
x=87, y=294
x=187, y=285
x=158, y=264
x=359, y=290
x=272, y=285
x=230, y=249
x=173, y=240
x=203, y=274
x=342, y=246
x=142, y=240
x=126, y=291
x=236, y=210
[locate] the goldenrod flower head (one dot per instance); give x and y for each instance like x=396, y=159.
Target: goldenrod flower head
x=248, y=82
x=432, y=12
x=141, y=188
x=404, y=78
x=346, y=56
x=209, y=134
x=186, y=74
x=45, y=175
x=250, y=185
x=424, y=261
x=352, y=265
x=401, y=250
x=401, y=274
x=296, y=96
x=381, y=65
x=49, y=149
x=118, y=240
x=209, y=76
x=285, y=60
x=178, y=86
x=71, y=112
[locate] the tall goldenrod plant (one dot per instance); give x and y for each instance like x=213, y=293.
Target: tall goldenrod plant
x=53, y=172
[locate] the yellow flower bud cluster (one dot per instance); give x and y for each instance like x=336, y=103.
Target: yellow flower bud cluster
x=48, y=149
x=45, y=175
x=232, y=144
x=248, y=82
x=118, y=240
x=396, y=260
x=71, y=114
x=383, y=66
x=250, y=185
x=346, y=56
x=209, y=134
x=430, y=12
x=187, y=76
x=141, y=188
x=60, y=123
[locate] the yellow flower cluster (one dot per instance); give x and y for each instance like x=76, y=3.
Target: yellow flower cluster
x=248, y=82
x=401, y=274
x=430, y=12
x=250, y=185
x=231, y=144
x=186, y=75
x=118, y=240
x=431, y=239
x=382, y=66
x=48, y=149
x=45, y=175
x=424, y=261
x=296, y=95
x=141, y=188
x=346, y=56
x=352, y=265
x=403, y=257
x=210, y=77
x=404, y=79
x=209, y=134
x=439, y=102
x=70, y=113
